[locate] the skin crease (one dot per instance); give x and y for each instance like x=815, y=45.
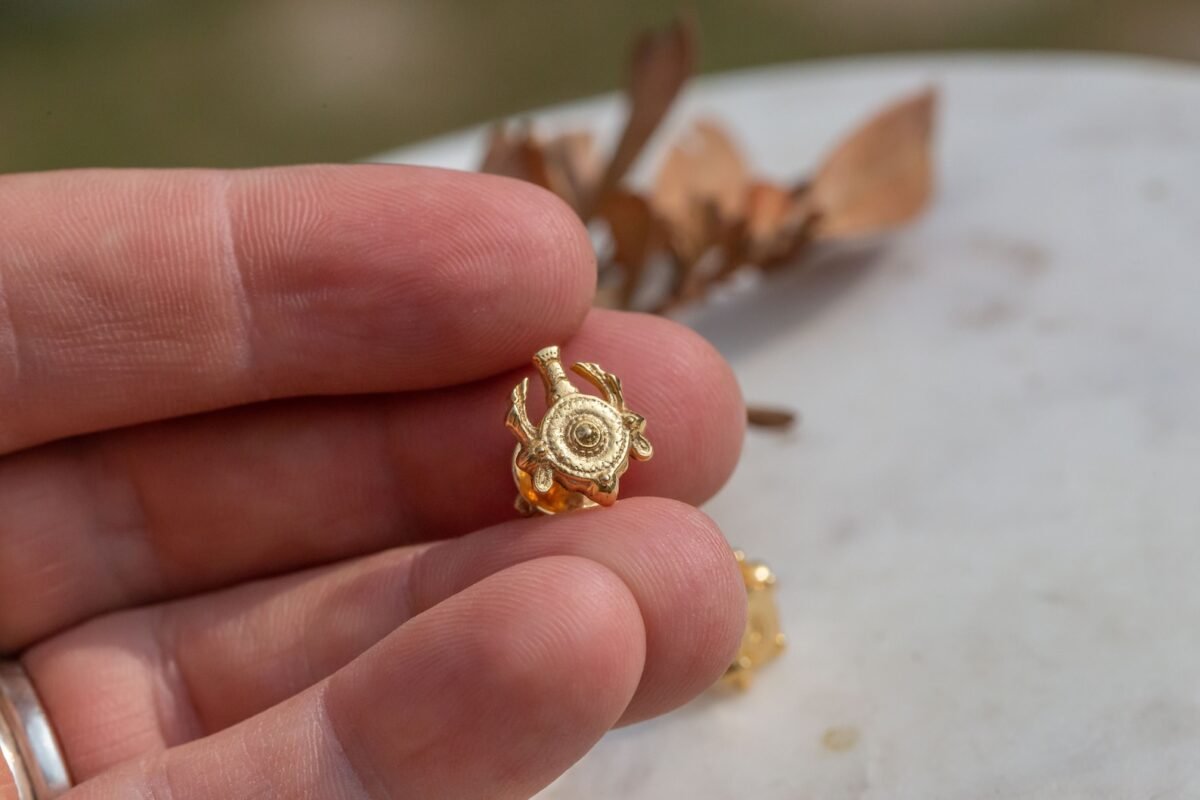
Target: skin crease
x=256, y=535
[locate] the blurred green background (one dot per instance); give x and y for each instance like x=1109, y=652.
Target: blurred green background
x=191, y=83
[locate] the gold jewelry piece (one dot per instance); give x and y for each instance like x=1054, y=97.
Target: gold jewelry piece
x=762, y=640
x=576, y=456
x=31, y=750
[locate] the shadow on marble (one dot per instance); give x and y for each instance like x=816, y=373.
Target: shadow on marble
x=744, y=318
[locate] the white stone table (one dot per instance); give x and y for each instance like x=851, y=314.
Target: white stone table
x=987, y=528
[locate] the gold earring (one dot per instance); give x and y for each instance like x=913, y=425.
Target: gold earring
x=575, y=457
x=762, y=640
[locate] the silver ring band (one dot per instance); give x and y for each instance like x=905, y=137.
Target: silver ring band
x=17, y=779
x=32, y=752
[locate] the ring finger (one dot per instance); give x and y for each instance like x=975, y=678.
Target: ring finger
x=139, y=681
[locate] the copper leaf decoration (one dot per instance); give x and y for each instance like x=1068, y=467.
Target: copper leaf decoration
x=881, y=176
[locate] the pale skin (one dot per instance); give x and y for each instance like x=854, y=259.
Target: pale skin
x=256, y=532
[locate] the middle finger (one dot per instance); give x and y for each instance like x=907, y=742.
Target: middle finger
x=150, y=678
x=136, y=516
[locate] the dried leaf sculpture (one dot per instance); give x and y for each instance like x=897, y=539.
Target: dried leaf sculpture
x=706, y=215
x=881, y=176
x=699, y=193
x=634, y=232
x=662, y=63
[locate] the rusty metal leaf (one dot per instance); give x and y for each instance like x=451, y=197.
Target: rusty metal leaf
x=572, y=168
x=699, y=192
x=662, y=62
x=703, y=165
x=632, y=226
x=518, y=155
x=882, y=175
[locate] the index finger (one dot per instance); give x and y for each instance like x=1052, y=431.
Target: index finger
x=129, y=296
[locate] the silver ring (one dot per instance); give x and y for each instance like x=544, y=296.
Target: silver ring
x=16, y=767
x=31, y=749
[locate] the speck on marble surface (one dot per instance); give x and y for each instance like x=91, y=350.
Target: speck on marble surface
x=987, y=528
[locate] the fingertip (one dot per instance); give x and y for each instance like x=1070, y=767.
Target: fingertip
x=497, y=689
x=710, y=379
x=687, y=391
x=560, y=250
x=674, y=559
x=538, y=274
x=695, y=607
x=470, y=272
x=565, y=642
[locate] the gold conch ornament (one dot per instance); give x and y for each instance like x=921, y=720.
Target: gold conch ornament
x=576, y=456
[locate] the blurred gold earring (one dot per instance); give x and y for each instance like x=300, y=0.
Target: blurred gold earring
x=762, y=640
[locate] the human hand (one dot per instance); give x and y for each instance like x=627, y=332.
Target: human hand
x=256, y=526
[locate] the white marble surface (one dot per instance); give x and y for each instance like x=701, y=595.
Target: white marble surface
x=987, y=529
